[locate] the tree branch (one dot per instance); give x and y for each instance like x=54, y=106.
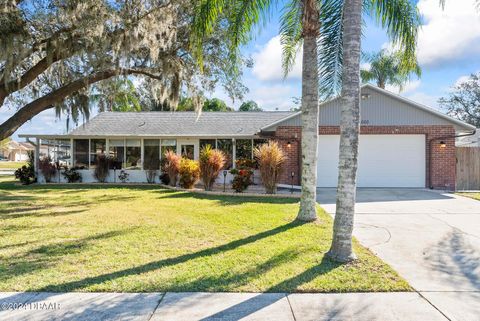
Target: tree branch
x=35, y=107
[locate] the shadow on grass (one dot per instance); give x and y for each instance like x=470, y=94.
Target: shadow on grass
x=76, y=285
x=227, y=200
x=46, y=255
x=261, y=301
x=17, y=206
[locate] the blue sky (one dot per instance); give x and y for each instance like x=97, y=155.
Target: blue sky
x=448, y=51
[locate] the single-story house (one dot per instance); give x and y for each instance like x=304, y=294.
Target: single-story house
x=469, y=141
x=402, y=143
x=16, y=151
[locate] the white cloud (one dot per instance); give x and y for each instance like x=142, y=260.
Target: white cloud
x=43, y=123
x=425, y=99
x=448, y=34
x=268, y=62
x=408, y=87
x=275, y=96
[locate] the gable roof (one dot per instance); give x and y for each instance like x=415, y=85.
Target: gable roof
x=420, y=106
x=178, y=124
x=383, y=109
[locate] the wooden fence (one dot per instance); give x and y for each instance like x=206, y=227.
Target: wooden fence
x=468, y=168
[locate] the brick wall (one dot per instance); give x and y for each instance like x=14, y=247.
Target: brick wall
x=443, y=159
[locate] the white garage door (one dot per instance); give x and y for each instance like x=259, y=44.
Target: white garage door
x=383, y=161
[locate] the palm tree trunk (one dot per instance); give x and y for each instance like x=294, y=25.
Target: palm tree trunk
x=308, y=211
x=341, y=249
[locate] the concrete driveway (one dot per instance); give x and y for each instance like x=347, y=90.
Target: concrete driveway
x=432, y=239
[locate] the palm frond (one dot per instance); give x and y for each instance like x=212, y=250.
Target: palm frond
x=290, y=34
x=330, y=47
x=401, y=19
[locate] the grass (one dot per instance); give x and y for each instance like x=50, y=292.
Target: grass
x=473, y=195
x=11, y=165
x=141, y=239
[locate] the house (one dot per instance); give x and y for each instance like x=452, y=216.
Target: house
x=469, y=141
x=16, y=151
x=402, y=143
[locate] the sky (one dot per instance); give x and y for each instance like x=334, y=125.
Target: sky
x=448, y=51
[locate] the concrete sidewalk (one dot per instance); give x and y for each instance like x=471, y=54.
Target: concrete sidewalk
x=217, y=306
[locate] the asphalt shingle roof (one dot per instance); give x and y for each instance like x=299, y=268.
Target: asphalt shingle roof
x=177, y=123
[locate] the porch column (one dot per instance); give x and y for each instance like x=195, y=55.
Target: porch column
x=234, y=152
x=71, y=152
x=36, y=156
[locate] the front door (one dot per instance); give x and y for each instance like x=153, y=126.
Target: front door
x=188, y=151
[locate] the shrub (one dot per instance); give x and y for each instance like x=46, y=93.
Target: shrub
x=270, y=159
x=123, y=176
x=151, y=168
x=164, y=178
x=151, y=174
x=102, y=164
x=189, y=172
x=172, y=165
x=241, y=179
x=71, y=175
x=47, y=168
x=26, y=173
x=211, y=163
x=245, y=163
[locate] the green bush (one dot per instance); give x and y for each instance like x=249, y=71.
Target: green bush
x=189, y=172
x=241, y=179
x=26, y=173
x=123, y=176
x=71, y=175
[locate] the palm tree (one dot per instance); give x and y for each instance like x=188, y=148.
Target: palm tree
x=401, y=19
x=300, y=25
x=387, y=69
x=317, y=26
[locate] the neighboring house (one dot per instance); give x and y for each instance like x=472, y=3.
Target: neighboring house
x=469, y=141
x=16, y=151
x=402, y=143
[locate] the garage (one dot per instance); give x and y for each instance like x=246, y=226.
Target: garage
x=384, y=161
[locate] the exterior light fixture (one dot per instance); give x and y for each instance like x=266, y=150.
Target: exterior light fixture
x=443, y=144
x=224, y=180
x=289, y=144
x=292, y=175
x=365, y=96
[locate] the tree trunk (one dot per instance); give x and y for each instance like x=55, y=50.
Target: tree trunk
x=341, y=249
x=308, y=211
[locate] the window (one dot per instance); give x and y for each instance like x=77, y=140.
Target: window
x=168, y=144
x=97, y=147
x=205, y=142
x=117, y=153
x=63, y=152
x=80, y=153
x=243, y=149
x=151, y=156
x=133, y=154
x=258, y=142
x=226, y=146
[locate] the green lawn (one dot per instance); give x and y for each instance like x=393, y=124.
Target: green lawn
x=106, y=238
x=471, y=195
x=11, y=165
